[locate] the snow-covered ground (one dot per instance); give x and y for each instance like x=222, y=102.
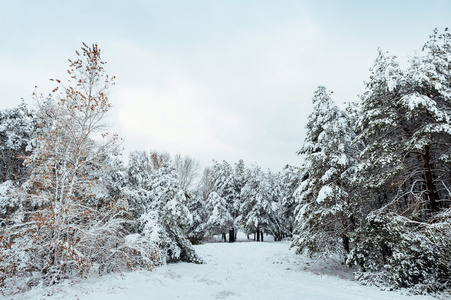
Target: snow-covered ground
x=242, y=270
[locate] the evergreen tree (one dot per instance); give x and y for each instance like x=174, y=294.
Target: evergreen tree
x=325, y=211
x=207, y=183
x=290, y=180
x=168, y=199
x=220, y=220
x=17, y=127
x=224, y=183
x=405, y=168
x=240, y=175
x=278, y=222
x=160, y=205
x=197, y=206
x=256, y=208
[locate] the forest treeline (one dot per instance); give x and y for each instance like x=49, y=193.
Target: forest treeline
x=374, y=186
x=70, y=206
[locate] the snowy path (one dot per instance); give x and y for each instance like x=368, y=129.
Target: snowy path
x=245, y=270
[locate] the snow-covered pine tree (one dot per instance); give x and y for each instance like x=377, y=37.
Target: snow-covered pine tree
x=325, y=211
x=197, y=206
x=278, y=223
x=160, y=205
x=224, y=183
x=138, y=182
x=290, y=180
x=17, y=126
x=139, y=169
x=256, y=209
x=115, y=180
x=240, y=175
x=220, y=220
x=168, y=199
x=187, y=169
x=405, y=125
x=381, y=160
x=133, y=250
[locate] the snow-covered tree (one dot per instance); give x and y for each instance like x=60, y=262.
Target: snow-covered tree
x=197, y=206
x=220, y=220
x=278, y=223
x=17, y=126
x=225, y=187
x=160, y=205
x=290, y=180
x=240, y=175
x=325, y=211
x=57, y=232
x=405, y=168
x=166, y=217
x=207, y=183
x=257, y=209
x=139, y=169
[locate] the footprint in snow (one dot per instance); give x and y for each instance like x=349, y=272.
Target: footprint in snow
x=172, y=275
x=209, y=281
x=225, y=294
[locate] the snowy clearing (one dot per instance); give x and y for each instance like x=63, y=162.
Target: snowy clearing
x=242, y=270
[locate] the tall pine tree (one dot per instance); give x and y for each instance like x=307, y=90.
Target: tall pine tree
x=325, y=209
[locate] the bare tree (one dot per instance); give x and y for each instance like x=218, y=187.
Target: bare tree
x=206, y=183
x=187, y=169
x=157, y=159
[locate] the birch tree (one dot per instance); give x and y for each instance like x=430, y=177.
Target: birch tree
x=59, y=231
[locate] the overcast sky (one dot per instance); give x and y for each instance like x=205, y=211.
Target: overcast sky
x=212, y=79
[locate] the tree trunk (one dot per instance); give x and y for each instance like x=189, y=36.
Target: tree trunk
x=224, y=239
x=232, y=235
x=386, y=252
x=429, y=179
x=346, y=243
x=258, y=235
x=261, y=232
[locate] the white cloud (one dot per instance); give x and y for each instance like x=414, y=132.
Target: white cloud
x=215, y=80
